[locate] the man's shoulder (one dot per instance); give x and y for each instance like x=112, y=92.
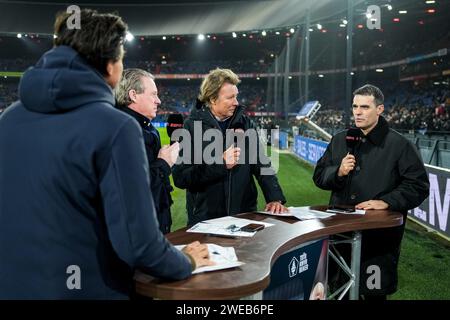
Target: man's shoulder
x=396, y=137
x=338, y=137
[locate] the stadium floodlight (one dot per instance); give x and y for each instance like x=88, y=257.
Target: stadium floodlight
x=19, y=35
x=129, y=36
x=430, y=2
x=319, y=26
x=321, y=75
x=311, y=29
x=344, y=21
x=290, y=77
x=379, y=70
x=292, y=30
x=244, y=35
x=164, y=37
x=403, y=12
x=352, y=73
x=342, y=25
x=389, y=7
x=234, y=35
x=277, y=33
x=264, y=33
x=201, y=37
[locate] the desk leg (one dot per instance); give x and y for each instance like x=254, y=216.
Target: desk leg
x=355, y=265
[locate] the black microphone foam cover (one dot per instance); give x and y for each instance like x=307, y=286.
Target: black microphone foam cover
x=352, y=139
x=174, y=122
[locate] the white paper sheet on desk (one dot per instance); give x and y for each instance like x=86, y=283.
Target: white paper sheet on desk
x=224, y=257
x=239, y=222
x=301, y=213
x=221, y=227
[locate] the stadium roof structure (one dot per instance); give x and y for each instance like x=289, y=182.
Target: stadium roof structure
x=171, y=17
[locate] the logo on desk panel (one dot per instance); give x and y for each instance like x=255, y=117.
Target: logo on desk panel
x=297, y=266
x=293, y=267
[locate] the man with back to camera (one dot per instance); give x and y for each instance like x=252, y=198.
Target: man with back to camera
x=76, y=214
x=137, y=96
x=385, y=172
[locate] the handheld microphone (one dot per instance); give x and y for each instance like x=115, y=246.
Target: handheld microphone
x=174, y=122
x=352, y=139
x=239, y=131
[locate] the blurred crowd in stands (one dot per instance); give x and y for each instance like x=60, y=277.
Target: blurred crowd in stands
x=424, y=109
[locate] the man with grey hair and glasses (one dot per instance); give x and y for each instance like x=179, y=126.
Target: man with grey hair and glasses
x=137, y=96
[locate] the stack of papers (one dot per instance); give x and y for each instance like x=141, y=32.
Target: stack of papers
x=224, y=258
x=226, y=226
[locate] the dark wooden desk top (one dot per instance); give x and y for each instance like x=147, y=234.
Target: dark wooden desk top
x=258, y=252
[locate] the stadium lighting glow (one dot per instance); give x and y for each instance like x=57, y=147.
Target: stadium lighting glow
x=257, y=78
x=264, y=33
x=396, y=20
x=352, y=73
x=344, y=21
x=129, y=37
x=292, y=30
x=389, y=7
x=234, y=35
x=311, y=29
x=319, y=26
x=430, y=2
x=164, y=37
x=19, y=35
x=379, y=70
x=290, y=77
x=188, y=79
x=201, y=37
x=360, y=26
x=244, y=35
x=321, y=75
x=271, y=55
x=431, y=11
x=342, y=25
x=54, y=36
x=403, y=12
x=208, y=36
x=277, y=33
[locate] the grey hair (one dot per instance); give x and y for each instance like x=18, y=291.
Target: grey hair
x=131, y=80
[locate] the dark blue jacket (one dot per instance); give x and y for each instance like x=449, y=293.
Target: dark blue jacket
x=159, y=170
x=75, y=190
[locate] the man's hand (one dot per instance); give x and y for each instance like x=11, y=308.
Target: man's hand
x=347, y=165
x=231, y=156
x=372, y=205
x=198, y=252
x=169, y=153
x=275, y=207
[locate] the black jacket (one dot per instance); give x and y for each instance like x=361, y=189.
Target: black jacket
x=388, y=168
x=75, y=190
x=159, y=170
x=212, y=190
